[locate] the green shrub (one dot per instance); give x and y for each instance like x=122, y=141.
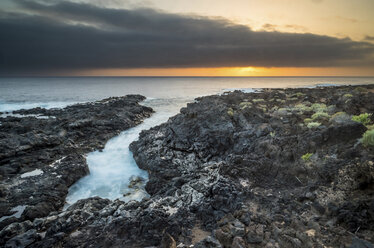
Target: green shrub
x=283, y=112
x=293, y=99
x=368, y=138
x=258, y=100
x=348, y=95
x=302, y=107
x=320, y=116
x=244, y=105
x=262, y=107
x=313, y=124
x=230, y=112
x=361, y=89
x=319, y=107
x=362, y=118
x=306, y=156
x=299, y=94
x=308, y=120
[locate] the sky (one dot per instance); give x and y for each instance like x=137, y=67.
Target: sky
x=187, y=38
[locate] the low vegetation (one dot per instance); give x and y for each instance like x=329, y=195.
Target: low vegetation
x=293, y=98
x=244, y=105
x=230, y=112
x=368, y=138
x=306, y=157
x=308, y=120
x=337, y=114
x=362, y=118
x=319, y=107
x=361, y=89
x=280, y=100
x=313, y=124
x=299, y=94
x=320, y=116
x=303, y=108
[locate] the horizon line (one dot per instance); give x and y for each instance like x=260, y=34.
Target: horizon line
x=321, y=76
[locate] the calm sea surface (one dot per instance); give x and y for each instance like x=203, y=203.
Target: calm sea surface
x=16, y=93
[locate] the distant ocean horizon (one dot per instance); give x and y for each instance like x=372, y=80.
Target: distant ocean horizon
x=41, y=77
x=57, y=92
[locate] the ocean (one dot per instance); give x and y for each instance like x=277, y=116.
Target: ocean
x=17, y=93
x=112, y=168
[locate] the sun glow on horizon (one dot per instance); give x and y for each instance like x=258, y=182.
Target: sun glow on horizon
x=229, y=72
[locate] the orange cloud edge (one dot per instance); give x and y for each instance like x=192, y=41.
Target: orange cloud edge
x=228, y=72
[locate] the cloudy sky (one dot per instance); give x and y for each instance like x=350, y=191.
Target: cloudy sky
x=187, y=38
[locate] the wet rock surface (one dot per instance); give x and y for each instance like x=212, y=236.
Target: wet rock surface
x=275, y=168
x=41, y=158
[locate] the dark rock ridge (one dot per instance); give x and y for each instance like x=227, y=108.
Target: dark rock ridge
x=41, y=157
x=275, y=168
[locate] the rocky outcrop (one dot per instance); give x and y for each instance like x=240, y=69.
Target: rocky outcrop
x=251, y=147
x=275, y=168
x=41, y=157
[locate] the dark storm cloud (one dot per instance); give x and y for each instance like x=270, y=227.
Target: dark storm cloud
x=68, y=35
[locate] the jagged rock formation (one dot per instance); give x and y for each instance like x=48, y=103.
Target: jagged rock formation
x=275, y=168
x=41, y=157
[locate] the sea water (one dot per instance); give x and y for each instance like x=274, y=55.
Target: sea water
x=17, y=93
x=112, y=168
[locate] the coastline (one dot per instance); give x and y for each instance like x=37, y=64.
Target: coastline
x=41, y=158
x=236, y=170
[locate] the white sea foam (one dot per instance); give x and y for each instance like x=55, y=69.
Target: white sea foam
x=245, y=90
x=23, y=116
x=10, y=106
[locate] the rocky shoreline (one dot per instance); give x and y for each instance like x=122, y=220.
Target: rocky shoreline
x=40, y=158
x=274, y=168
